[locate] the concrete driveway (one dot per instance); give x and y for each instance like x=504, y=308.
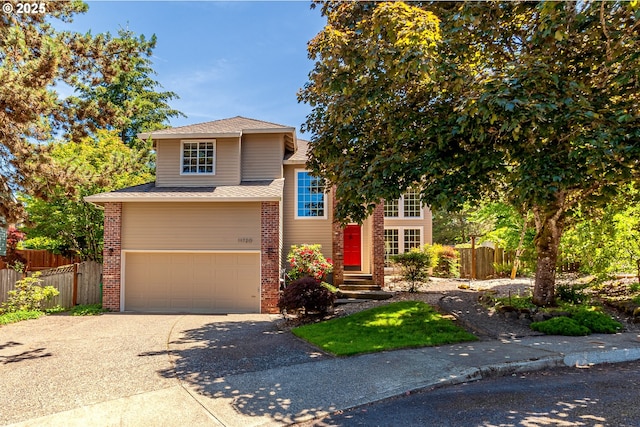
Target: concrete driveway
x=132, y=369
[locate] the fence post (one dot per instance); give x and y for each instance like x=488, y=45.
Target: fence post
x=74, y=298
x=473, y=258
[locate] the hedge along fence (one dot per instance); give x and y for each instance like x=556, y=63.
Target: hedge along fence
x=77, y=283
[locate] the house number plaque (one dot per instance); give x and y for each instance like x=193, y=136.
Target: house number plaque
x=245, y=240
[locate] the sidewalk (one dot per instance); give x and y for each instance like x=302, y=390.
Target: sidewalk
x=303, y=391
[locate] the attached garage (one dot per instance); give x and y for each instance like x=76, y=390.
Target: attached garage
x=192, y=282
x=193, y=250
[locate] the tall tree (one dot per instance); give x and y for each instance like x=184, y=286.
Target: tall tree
x=539, y=100
x=64, y=222
x=133, y=95
x=34, y=57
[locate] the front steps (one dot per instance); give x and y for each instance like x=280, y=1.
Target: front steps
x=359, y=287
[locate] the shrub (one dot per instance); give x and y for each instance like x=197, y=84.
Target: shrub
x=446, y=261
x=307, y=260
x=570, y=293
x=560, y=326
x=414, y=266
x=28, y=295
x=87, y=310
x=307, y=295
x=18, y=316
x=597, y=321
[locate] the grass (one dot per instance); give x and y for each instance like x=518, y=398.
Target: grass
x=18, y=316
x=393, y=326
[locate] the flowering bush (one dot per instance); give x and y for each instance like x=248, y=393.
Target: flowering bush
x=308, y=261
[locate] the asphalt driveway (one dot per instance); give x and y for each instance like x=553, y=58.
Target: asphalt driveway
x=132, y=369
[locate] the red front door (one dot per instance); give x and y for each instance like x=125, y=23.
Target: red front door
x=352, y=247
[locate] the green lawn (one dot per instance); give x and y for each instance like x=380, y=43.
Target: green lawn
x=392, y=326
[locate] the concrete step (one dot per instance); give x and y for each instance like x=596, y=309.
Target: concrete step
x=360, y=287
x=362, y=295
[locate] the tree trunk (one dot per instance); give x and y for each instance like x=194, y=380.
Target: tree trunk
x=549, y=226
x=516, y=261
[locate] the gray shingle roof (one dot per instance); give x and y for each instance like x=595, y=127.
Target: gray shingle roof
x=231, y=125
x=300, y=156
x=245, y=192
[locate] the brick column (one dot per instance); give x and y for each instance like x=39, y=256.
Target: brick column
x=270, y=267
x=112, y=256
x=338, y=247
x=378, y=244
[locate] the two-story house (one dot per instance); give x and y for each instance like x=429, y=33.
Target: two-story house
x=211, y=234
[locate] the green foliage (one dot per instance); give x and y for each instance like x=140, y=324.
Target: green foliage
x=87, y=310
x=53, y=245
x=36, y=60
x=308, y=261
x=519, y=302
x=606, y=241
x=391, y=326
x=414, y=266
x=560, y=326
x=446, y=261
x=570, y=293
x=132, y=95
x=597, y=321
x=28, y=295
x=307, y=295
x=583, y=320
x=64, y=219
x=476, y=99
x=18, y=316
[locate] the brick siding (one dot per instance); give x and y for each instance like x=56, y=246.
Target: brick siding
x=111, y=273
x=378, y=244
x=270, y=266
x=338, y=248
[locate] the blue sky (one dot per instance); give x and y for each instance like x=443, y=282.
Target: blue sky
x=223, y=59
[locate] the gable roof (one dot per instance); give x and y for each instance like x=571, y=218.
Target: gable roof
x=232, y=127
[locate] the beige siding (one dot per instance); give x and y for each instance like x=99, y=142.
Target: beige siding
x=191, y=226
x=262, y=157
x=168, y=168
x=299, y=231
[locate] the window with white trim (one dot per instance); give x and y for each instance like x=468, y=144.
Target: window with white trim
x=391, y=244
x=391, y=209
x=198, y=157
x=412, y=238
x=311, y=200
x=411, y=204
x=399, y=240
x=407, y=206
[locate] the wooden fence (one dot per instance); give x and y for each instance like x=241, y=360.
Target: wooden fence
x=79, y=283
x=41, y=260
x=486, y=259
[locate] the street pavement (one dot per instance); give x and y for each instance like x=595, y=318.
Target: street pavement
x=237, y=370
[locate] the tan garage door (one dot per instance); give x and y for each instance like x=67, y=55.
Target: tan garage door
x=192, y=282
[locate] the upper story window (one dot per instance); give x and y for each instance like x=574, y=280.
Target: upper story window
x=198, y=157
x=411, y=202
x=391, y=209
x=408, y=206
x=311, y=200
